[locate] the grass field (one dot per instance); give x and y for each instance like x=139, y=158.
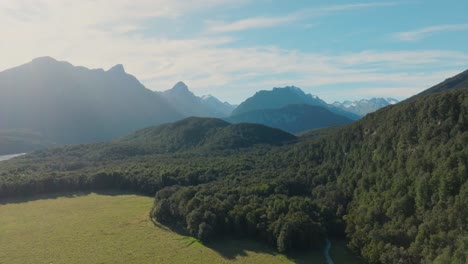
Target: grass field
x=98, y=228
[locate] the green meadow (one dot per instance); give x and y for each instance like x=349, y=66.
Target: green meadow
x=108, y=228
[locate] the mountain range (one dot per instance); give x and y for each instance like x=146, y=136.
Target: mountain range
x=219, y=109
x=365, y=106
x=47, y=102
x=281, y=97
x=67, y=104
x=293, y=118
x=189, y=104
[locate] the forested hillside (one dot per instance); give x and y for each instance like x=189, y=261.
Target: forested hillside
x=404, y=169
x=203, y=134
x=394, y=183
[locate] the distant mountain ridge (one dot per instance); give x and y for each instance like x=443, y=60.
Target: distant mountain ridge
x=281, y=97
x=182, y=99
x=188, y=104
x=365, y=106
x=293, y=118
x=219, y=109
x=277, y=98
x=67, y=104
x=47, y=102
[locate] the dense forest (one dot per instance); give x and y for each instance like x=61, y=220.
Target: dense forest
x=393, y=183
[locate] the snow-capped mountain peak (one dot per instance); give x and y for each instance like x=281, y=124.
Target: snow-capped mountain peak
x=365, y=106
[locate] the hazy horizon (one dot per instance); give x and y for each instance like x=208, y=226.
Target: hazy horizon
x=331, y=101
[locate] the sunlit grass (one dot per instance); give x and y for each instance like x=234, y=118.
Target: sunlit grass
x=96, y=228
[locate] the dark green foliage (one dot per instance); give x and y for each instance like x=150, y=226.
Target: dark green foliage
x=406, y=179
x=205, y=232
x=260, y=211
x=395, y=183
x=201, y=133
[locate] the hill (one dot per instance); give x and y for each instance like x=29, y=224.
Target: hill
x=204, y=133
x=182, y=99
x=281, y=97
x=191, y=136
x=459, y=81
x=66, y=104
x=392, y=169
x=365, y=106
x=293, y=118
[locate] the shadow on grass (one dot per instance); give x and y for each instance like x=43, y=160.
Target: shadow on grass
x=56, y=195
x=232, y=247
x=340, y=253
x=229, y=247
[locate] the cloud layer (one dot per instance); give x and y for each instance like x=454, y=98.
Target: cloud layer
x=100, y=34
x=422, y=33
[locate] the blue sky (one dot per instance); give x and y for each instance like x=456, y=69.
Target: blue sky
x=337, y=50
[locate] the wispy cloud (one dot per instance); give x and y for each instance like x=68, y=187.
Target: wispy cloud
x=273, y=21
x=410, y=36
x=344, y=7
x=95, y=34
x=249, y=23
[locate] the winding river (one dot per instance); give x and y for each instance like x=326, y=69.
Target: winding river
x=326, y=252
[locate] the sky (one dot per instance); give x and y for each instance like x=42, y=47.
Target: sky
x=338, y=50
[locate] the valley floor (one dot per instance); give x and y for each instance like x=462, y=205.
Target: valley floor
x=111, y=228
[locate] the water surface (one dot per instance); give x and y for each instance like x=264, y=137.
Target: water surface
x=7, y=157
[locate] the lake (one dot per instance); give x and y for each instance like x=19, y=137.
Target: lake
x=7, y=157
